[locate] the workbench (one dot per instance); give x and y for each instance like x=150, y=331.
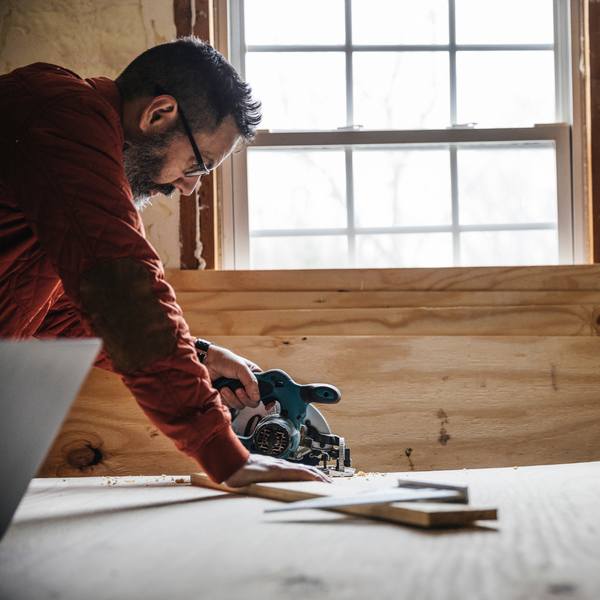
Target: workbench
x=155, y=538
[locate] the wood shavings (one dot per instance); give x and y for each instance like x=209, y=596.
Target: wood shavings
x=370, y=474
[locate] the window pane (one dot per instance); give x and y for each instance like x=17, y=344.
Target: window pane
x=299, y=90
x=401, y=90
x=396, y=188
x=400, y=21
x=507, y=185
x=308, y=22
x=506, y=22
x=505, y=89
x=404, y=250
x=508, y=248
x=296, y=189
x=318, y=252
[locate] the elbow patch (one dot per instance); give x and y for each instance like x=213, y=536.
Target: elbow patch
x=126, y=314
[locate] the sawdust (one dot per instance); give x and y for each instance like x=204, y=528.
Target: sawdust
x=370, y=474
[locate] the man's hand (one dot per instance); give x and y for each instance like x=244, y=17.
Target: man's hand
x=259, y=468
x=221, y=362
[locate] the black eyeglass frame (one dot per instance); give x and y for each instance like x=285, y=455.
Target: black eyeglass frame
x=201, y=169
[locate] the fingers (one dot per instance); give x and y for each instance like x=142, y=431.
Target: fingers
x=253, y=367
x=306, y=473
x=230, y=398
x=239, y=398
x=260, y=468
x=221, y=362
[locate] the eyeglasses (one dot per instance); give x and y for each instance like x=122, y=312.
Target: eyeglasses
x=201, y=168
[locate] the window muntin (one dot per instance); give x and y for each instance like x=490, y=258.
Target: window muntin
x=447, y=72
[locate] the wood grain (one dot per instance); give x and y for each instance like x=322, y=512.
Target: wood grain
x=568, y=320
x=408, y=403
x=548, y=278
x=593, y=36
x=419, y=514
x=318, y=300
x=203, y=543
x=106, y=433
x=449, y=403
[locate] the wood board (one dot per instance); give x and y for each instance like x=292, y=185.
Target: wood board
x=567, y=320
x=254, y=300
x=428, y=403
x=419, y=514
x=540, y=278
x=408, y=404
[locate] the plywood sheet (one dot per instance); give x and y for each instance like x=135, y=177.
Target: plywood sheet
x=449, y=403
x=203, y=543
x=407, y=404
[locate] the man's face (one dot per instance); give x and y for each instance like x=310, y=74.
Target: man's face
x=157, y=164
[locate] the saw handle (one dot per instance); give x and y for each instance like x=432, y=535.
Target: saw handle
x=320, y=393
x=264, y=387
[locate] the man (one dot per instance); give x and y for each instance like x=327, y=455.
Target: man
x=76, y=158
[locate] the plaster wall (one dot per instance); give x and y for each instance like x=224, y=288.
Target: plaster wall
x=94, y=38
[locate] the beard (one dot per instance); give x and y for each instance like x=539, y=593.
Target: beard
x=143, y=160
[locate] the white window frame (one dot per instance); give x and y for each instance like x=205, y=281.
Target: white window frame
x=567, y=135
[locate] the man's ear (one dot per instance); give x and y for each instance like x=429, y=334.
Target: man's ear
x=159, y=115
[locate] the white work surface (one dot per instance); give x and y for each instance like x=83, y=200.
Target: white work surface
x=151, y=538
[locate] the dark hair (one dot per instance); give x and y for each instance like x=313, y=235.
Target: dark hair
x=199, y=78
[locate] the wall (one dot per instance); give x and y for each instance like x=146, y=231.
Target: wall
x=438, y=368
x=94, y=38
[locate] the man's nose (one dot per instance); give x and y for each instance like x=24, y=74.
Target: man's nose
x=186, y=185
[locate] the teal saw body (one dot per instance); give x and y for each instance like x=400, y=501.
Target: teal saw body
x=291, y=427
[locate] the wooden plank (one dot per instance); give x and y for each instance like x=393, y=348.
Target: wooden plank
x=419, y=514
x=191, y=218
x=318, y=300
x=593, y=37
x=407, y=404
x=449, y=402
x=566, y=320
x=552, y=278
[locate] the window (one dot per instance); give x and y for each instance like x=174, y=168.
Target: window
x=404, y=134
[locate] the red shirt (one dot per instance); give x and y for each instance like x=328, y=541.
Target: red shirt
x=66, y=219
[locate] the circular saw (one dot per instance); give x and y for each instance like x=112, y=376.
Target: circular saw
x=286, y=424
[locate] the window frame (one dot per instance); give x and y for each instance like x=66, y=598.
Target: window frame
x=568, y=135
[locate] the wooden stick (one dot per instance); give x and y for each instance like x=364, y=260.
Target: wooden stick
x=420, y=514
